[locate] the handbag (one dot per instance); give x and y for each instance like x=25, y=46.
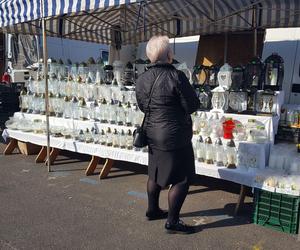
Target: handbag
x=139, y=135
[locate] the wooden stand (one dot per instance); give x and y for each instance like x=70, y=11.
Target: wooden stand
x=106, y=168
x=92, y=166
x=53, y=155
x=42, y=155
x=13, y=143
x=241, y=199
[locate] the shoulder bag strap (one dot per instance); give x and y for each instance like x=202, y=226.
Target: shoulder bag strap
x=151, y=92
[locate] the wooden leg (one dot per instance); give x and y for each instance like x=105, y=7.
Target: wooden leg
x=53, y=155
x=299, y=230
x=42, y=155
x=13, y=143
x=241, y=199
x=106, y=168
x=92, y=165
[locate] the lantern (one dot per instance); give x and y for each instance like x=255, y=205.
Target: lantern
x=200, y=149
x=228, y=127
x=274, y=72
x=209, y=152
x=254, y=74
x=108, y=74
x=204, y=94
x=216, y=127
x=83, y=71
x=219, y=153
x=96, y=136
x=237, y=77
x=129, y=75
x=225, y=76
x=81, y=136
x=237, y=101
x=231, y=154
x=196, y=124
x=219, y=99
x=212, y=80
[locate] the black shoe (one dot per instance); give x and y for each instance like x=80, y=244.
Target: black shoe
x=179, y=228
x=157, y=215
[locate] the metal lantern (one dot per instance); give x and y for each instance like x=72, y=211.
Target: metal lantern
x=237, y=78
x=231, y=154
x=200, y=149
x=274, y=72
x=108, y=74
x=200, y=75
x=219, y=153
x=129, y=75
x=254, y=74
x=209, y=151
x=212, y=79
x=205, y=96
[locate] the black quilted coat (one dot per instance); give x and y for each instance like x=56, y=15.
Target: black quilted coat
x=168, y=124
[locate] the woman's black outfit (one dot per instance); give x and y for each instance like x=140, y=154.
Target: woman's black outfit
x=168, y=127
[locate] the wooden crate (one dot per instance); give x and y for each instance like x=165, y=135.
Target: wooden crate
x=27, y=148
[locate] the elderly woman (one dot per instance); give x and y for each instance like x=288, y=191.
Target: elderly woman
x=168, y=128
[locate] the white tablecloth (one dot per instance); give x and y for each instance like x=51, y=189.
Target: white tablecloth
x=235, y=175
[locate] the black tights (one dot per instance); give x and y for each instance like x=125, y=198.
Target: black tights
x=176, y=197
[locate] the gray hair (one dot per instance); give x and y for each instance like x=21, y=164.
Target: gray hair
x=158, y=49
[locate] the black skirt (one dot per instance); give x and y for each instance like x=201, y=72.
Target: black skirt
x=171, y=167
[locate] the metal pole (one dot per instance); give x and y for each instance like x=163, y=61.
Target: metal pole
x=45, y=59
x=225, y=47
x=255, y=30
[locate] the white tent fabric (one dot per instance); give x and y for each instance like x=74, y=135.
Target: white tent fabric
x=132, y=21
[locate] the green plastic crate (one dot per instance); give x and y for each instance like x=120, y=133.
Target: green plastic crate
x=277, y=211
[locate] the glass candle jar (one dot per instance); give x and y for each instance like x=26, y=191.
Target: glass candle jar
x=219, y=153
x=209, y=151
x=104, y=114
x=83, y=111
x=200, y=149
x=129, y=140
x=112, y=108
x=67, y=107
x=120, y=114
x=115, y=139
x=102, y=138
x=23, y=101
x=75, y=108
x=231, y=154
x=122, y=139
x=129, y=114
x=43, y=106
x=109, y=141
x=88, y=136
x=228, y=127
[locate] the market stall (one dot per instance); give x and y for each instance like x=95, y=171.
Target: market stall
x=66, y=91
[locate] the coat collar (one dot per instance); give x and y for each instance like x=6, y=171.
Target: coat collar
x=160, y=65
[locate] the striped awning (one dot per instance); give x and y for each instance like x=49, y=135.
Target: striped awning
x=133, y=21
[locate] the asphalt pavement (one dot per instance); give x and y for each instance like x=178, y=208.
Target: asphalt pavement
x=65, y=209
